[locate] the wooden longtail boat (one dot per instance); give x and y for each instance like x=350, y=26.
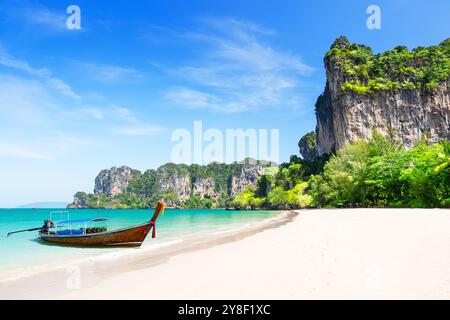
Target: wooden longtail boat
x=94, y=237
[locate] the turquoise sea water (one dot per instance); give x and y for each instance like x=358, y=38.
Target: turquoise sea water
x=24, y=249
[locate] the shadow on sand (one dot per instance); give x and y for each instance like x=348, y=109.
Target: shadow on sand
x=45, y=243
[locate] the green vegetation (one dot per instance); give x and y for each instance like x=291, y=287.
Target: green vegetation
x=145, y=189
x=398, y=69
x=378, y=172
x=281, y=188
x=308, y=146
x=311, y=140
x=123, y=201
x=196, y=202
x=367, y=174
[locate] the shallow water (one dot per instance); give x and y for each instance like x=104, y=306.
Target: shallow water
x=24, y=249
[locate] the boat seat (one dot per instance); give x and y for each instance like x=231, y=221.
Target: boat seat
x=70, y=232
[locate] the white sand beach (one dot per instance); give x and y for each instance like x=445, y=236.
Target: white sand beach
x=321, y=254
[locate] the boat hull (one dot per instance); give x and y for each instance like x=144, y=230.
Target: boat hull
x=126, y=237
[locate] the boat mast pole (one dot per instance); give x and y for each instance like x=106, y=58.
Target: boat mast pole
x=159, y=208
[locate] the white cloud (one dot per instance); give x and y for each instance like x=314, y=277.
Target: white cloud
x=30, y=123
x=43, y=17
x=11, y=62
x=63, y=88
x=192, y=98
x=43, y=146
x=134, y=126
x=110, y=73
x=96, y=113
x=122, y=120
x=89, y=112
x=141, y=130
x=25, y=102
x=59, y=85
x=122, y=113
x=35, y=16
x=237, y=27
x=241, y=43
x=108, y=112
x=15, y=151
x=36, y=124
x=63, y=143
x=237, y=70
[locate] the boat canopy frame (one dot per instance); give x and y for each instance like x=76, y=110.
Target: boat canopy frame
x=77, y=222
x=74, y=221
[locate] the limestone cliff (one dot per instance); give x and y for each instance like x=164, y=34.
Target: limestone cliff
x=248, y=176
x=177, y=185
x=401, y=93
x=79, y=201
x=112, y=181
x=173, y=184
x=308, y=146
x=205, y=189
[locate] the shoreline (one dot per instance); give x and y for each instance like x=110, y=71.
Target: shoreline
x=311, y=254
x=50, y=279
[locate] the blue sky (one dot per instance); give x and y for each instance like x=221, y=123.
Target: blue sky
x=73, y=102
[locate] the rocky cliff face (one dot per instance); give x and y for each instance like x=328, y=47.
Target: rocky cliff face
x=205, y=189
x=248, y=176
x=112, y=181
x=174, y=184
x=308, y=146
x=79, y=202
x=344, y=117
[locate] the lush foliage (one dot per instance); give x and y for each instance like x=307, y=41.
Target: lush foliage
x=308, y=146
x=145, y=189
x=196, y=202
x=422, y=68
x=281, y=188
x=380, y=173
x=123, y=201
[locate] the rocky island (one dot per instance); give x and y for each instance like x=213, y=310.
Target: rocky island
x=178, y=185
x=381, y=138
x=402, y=93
